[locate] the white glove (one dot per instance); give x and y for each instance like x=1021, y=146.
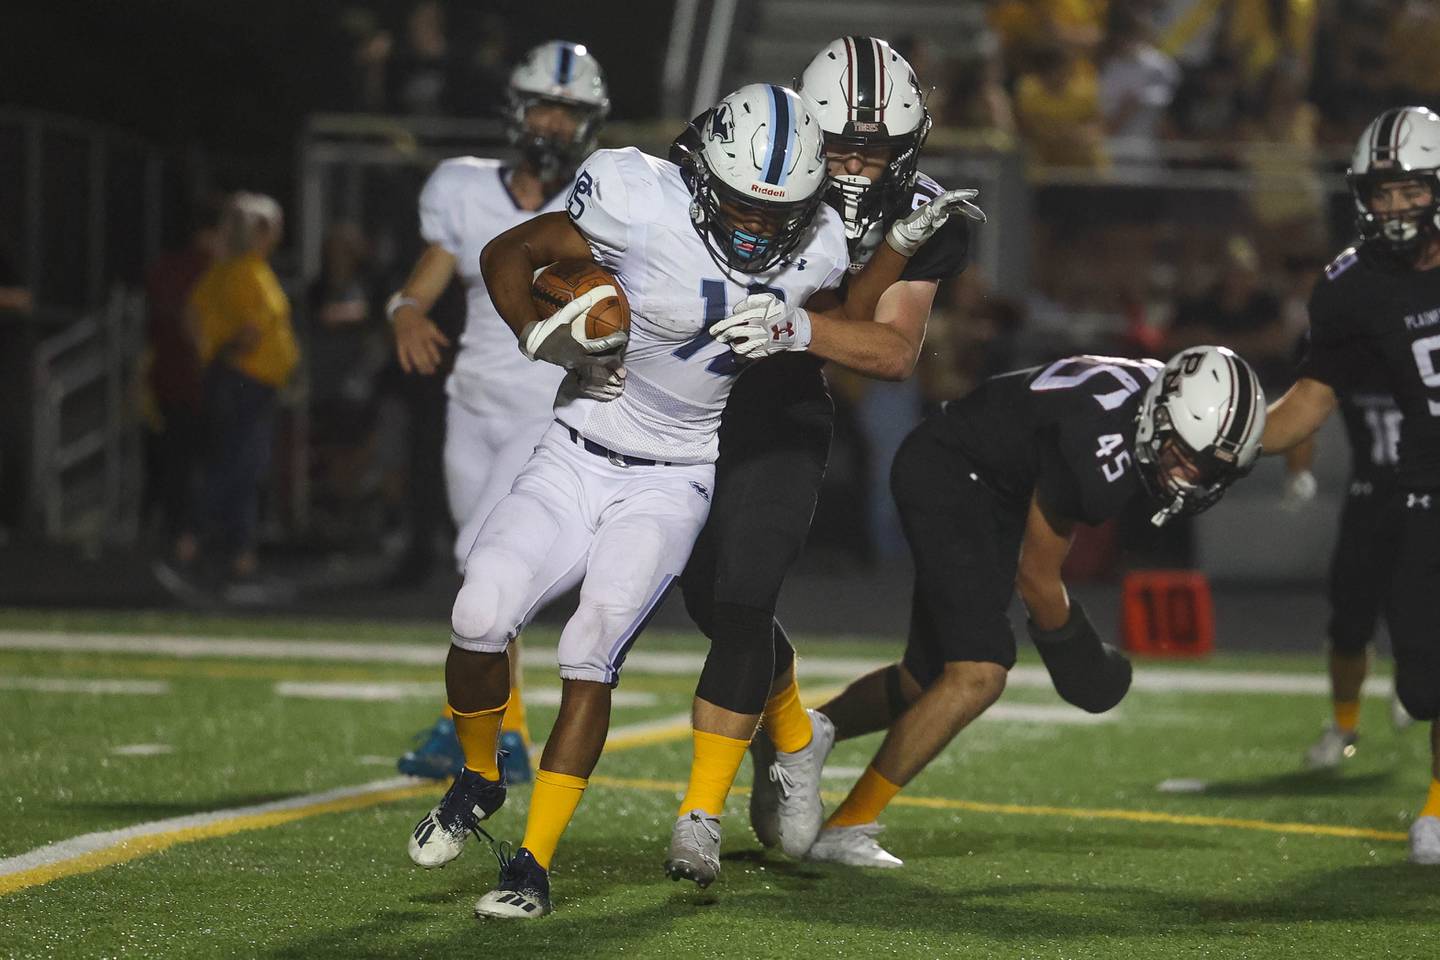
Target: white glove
x=600, y=377
x=762, y=325
x=1300, y=489
x=560, y=338
x=909, y=234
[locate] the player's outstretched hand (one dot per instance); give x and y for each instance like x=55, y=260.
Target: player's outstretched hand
x=560, y=338
x=1300, y=489
x=418, y=342
x=909, y=234
x=602, y=377
x=762, y=325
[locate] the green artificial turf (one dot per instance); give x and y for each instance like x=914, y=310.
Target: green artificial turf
x=975, y=884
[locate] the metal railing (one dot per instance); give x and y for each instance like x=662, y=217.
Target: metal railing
x=86, y=463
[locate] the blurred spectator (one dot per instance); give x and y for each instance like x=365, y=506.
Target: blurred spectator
x=248, y=350
x=1137, y=85
x=976, y=97
x=1287, y=202
x=1058, y=109
x=1264, y=34
x=1207, y=105
x=15, y=296
x=1413, y=47
x=371, y=46
x=346, y=352
x=1239, y=313
x=972, y=335
x=177, y=442
x=1351, y=77
x=422, y=71
x=1029, y=29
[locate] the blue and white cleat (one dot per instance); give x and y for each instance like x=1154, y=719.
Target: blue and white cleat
x=515, y=758
x=437, y=756
x=440, y=837
x=523, y=892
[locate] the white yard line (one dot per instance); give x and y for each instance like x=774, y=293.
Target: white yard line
x=340, y=690
x=1152, y=679
x=148, y=688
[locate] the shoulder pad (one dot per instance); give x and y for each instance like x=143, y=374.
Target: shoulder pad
x=1347, y=259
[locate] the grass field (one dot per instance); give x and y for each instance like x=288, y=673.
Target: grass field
x=1033, y=836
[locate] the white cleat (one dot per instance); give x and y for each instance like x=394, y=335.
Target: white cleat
x=800, y=812
x=853, y=846
x=764, y=797
x=1333, y=747
x=1425, y=841
x=1400, y=718
x=695, y=849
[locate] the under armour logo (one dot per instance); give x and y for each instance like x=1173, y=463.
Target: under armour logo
x=1421, y=500
x=776, y=331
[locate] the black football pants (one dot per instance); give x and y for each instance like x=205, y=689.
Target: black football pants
x=774, y=443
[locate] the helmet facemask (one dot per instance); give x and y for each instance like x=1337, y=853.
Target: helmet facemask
x=1404, y=232
x=1181, y=480
x=864, y=203
x=725, y=219
x=553, y=157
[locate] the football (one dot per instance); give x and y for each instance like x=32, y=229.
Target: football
x=562, y=282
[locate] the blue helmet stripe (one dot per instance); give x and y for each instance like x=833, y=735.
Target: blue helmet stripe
x=779, y=147
x=565, y=67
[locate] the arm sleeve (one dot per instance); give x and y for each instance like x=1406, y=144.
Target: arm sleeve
x=599, y=205
x=440, y=213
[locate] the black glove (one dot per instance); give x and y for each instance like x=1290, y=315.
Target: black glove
x=1087, y=673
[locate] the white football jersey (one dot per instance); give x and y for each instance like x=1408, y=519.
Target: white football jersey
x=634, y=210
x=467, y=203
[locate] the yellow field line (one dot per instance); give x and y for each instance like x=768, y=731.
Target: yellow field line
x=1074, y=813
x=136, y=847
x=142, y=846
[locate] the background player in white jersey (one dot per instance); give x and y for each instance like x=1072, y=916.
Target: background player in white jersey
x=617, y=491
x=499, y=402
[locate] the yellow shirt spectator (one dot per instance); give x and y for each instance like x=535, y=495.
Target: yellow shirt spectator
x=1059, y=114
x=239, y=302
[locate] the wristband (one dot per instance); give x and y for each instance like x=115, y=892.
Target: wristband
x=396, y=301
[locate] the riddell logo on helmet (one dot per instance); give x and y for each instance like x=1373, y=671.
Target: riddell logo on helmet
x=768, y=191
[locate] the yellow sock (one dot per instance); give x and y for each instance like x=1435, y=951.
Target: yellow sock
x=867, y=799
x=1347, y=715
x=786, y=721
x=514, y=717
x=1432, y=803
x=552, y=804
x=478, y=733
x=712, y=772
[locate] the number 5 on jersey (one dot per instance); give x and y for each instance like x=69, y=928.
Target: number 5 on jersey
x=1112, y=463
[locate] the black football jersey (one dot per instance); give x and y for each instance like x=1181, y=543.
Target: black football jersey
x=1367, y=314
x=1372, y=427
x=942, y=256
x=1063, y=432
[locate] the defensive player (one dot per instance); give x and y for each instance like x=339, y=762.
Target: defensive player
x=775, y=440
x=617, y=491
x=1380, y=302
x=500, y=403
x=1361, y=565
x=989, y=490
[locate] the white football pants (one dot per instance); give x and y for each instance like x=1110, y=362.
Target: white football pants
x=573, y=515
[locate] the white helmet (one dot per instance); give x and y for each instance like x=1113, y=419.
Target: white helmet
x=1402, y=143
x=757, y=178
x=565, y=73
x=866, y=96
x=1198, y=429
